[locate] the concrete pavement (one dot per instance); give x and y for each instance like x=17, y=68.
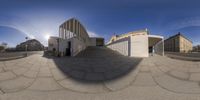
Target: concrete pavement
x=155, y=78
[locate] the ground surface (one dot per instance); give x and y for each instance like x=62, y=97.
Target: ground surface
x=156, y=78
x=16, y=55
x=184, y=56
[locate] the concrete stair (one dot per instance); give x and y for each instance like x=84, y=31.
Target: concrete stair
x=99, y=52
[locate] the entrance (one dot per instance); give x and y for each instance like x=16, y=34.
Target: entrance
x=156, y=45
x=68, y=50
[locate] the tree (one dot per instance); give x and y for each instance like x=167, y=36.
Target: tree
x=2, y=48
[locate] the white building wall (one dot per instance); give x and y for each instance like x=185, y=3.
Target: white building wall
x=63, y=44
x=139, y=46
x=52, y=43
x=121, y=47
x=76, y=46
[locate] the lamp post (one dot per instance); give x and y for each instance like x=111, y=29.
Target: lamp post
x=58, y=47
x=26, y=46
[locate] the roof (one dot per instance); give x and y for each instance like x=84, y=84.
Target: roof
x=96, y=38
x=155, y=36
x=144, y=30
x=179, y=34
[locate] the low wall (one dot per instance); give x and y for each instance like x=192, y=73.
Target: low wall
x=159, y=48
x=197, y=55
x=122, y=46
x=134, y=46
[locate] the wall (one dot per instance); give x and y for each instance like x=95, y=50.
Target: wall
x=173, y=44
x=178, y=43
x=77, y=46
x=96, y=41
x=159, y=48
x=134, y=46
x=63, y=44
x=139, y=46
x=73, y=28
x=122, y=46
x=99, y=41
x=185, y=45
x=92, y=42
x=52, y=43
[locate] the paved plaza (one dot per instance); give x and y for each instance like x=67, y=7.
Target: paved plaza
x=99, y=75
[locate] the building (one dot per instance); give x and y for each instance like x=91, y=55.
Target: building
x=196, y=48
x=96, y=41
x=53, y=43
x=178, y=43
x=3, y=47
x=73, y=38
x=30, y=45
x=137, y=44
x=3, y=44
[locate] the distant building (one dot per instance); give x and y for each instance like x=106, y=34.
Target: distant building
x=196, y=48
x=53, y=43
x=178, y=43
x=4, y=45
x=137, y=44
x=96, y=41
x=30, y=45
x=73, y=38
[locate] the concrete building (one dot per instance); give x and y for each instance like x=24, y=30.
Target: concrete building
x=178, y=43
x=137, y=44
x=73, y=38
x=53, y=43
x=96, y=41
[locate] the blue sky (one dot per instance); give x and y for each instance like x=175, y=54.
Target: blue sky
x=39, y=18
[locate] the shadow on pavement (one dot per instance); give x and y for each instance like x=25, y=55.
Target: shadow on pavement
x=96, y=64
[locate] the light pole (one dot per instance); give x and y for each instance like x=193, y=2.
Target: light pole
x=58, y=47
x=26, y=46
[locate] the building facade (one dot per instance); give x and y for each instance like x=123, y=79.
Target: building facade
x=73, y=38
x=96, y=41
x=137, y=44
x=73, y=28
x=53, y=43
x=178, y=43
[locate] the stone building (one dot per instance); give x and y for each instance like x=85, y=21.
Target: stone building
x=137, y=44
x=178, y=43
x=73, y=38
x=30, y=45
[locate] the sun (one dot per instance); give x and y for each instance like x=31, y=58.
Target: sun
x=47, y=36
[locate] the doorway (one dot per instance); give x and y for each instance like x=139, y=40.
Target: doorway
x=68, y=50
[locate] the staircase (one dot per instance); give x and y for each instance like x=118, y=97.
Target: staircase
x=98, y=52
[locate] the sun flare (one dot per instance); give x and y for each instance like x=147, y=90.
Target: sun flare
x=47, y=36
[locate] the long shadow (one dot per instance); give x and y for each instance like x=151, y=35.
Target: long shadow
x=96, y=65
